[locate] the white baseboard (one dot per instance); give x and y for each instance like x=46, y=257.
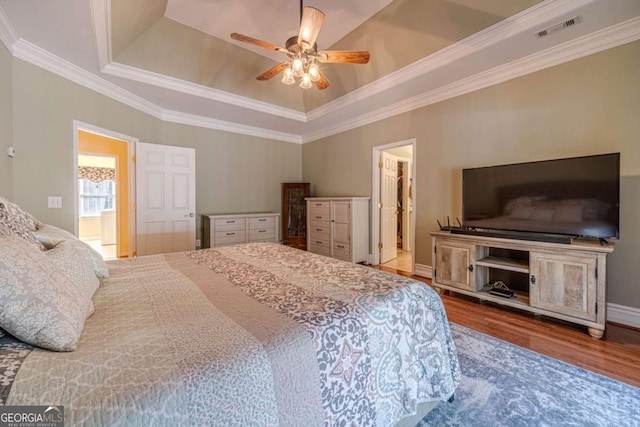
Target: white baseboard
x=423, y=271
x=629, y=316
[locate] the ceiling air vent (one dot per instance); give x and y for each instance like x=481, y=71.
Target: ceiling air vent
x=558, y=27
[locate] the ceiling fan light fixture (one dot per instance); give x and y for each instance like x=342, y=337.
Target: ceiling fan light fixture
x=303, y=54
x=287, y=77
x=314, y=72
x=297, y=67
x=305, y=81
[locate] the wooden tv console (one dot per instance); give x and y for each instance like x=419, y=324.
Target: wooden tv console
x=564, y=281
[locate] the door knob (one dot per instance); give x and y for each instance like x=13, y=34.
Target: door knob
x=190, y=214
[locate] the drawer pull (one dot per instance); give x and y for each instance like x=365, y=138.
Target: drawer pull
x=318, y=229
x=318, y=242
x=231, y=234
x=318, y=204
x=231, y=222
x=318, y=217
x=262, y=219
x=262, y=231
x=340, y=246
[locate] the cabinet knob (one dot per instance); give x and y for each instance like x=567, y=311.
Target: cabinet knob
x=533, y=279
x=471, y=268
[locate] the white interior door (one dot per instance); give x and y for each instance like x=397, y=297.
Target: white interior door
x=165, y=198
x=389, y=210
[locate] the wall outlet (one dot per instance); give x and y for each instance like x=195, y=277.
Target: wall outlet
x=197, y=243
x=55, y=202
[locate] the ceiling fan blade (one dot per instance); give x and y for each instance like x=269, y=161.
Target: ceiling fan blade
x=272, y=72
x=251, y=40
x=343, y=56
x=310, y=27
x=324, y=82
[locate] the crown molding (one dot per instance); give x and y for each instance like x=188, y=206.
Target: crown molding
x=160, y=80
x=533, y=17
x=37, y=56
x=8, y=34
x=207, y=122
x=595, y=42
x=101, y=15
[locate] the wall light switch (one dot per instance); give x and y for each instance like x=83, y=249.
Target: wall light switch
x=55, y=202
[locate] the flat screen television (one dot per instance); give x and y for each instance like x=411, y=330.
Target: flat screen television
x=577, y=197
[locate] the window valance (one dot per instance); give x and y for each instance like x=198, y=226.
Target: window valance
x=96, y=174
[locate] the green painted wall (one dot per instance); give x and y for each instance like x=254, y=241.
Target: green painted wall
x=6, y=163
x=587, y=106
x=234, y=173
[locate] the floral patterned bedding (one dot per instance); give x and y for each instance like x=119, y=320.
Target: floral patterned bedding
x=255, y=334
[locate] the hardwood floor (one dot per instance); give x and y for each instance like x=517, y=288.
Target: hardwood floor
x=401, y=262
x=616, y=355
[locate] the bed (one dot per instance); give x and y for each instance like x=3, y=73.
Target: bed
x=254, y=334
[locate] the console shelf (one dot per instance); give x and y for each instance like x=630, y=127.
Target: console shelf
x=519, y=266
x=564, y=281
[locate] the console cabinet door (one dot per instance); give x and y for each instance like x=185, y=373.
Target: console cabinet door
x=564, y=284
x=454, y=265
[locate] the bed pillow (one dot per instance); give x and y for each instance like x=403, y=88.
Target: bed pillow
x=38, y=303
x=541, y=214
x=91, y=257
x=9, y=227
x=51, y=236
x=17, y=214
x=567, y=213
x=521, y=212
x=71, y=262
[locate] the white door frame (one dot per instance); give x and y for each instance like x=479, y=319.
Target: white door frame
x=406, y=243
x=131, y=143
x=375, y=200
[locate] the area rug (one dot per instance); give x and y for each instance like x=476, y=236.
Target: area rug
x=506, y=385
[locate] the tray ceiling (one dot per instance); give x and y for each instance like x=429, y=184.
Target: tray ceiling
x=176, y=60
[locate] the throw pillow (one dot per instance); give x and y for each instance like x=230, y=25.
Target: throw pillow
x=38, y=303
x=71, y=262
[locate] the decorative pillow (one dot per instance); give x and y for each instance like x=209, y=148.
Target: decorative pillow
x=71, y=262
x=13, y=228
x=50, y=236
x=38, y=303
x=541, y=214
x=567, y=213
x=522, y=201
x=91, y=257
x=521, y=212
x=17, y=214
x=591, y=208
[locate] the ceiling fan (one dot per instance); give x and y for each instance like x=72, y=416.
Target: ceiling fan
x=304, y=57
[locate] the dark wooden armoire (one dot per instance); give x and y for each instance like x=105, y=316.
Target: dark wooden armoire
x=294, y=214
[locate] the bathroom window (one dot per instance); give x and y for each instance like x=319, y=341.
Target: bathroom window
x=96, y=197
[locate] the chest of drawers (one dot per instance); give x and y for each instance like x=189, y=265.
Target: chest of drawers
x=338, y=227
x=232, y=229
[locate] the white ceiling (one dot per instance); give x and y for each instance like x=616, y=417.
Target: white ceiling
x=71, y=38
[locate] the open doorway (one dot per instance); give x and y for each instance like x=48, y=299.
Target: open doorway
x=393, y=201
x=103, y=197
x=97, y=194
